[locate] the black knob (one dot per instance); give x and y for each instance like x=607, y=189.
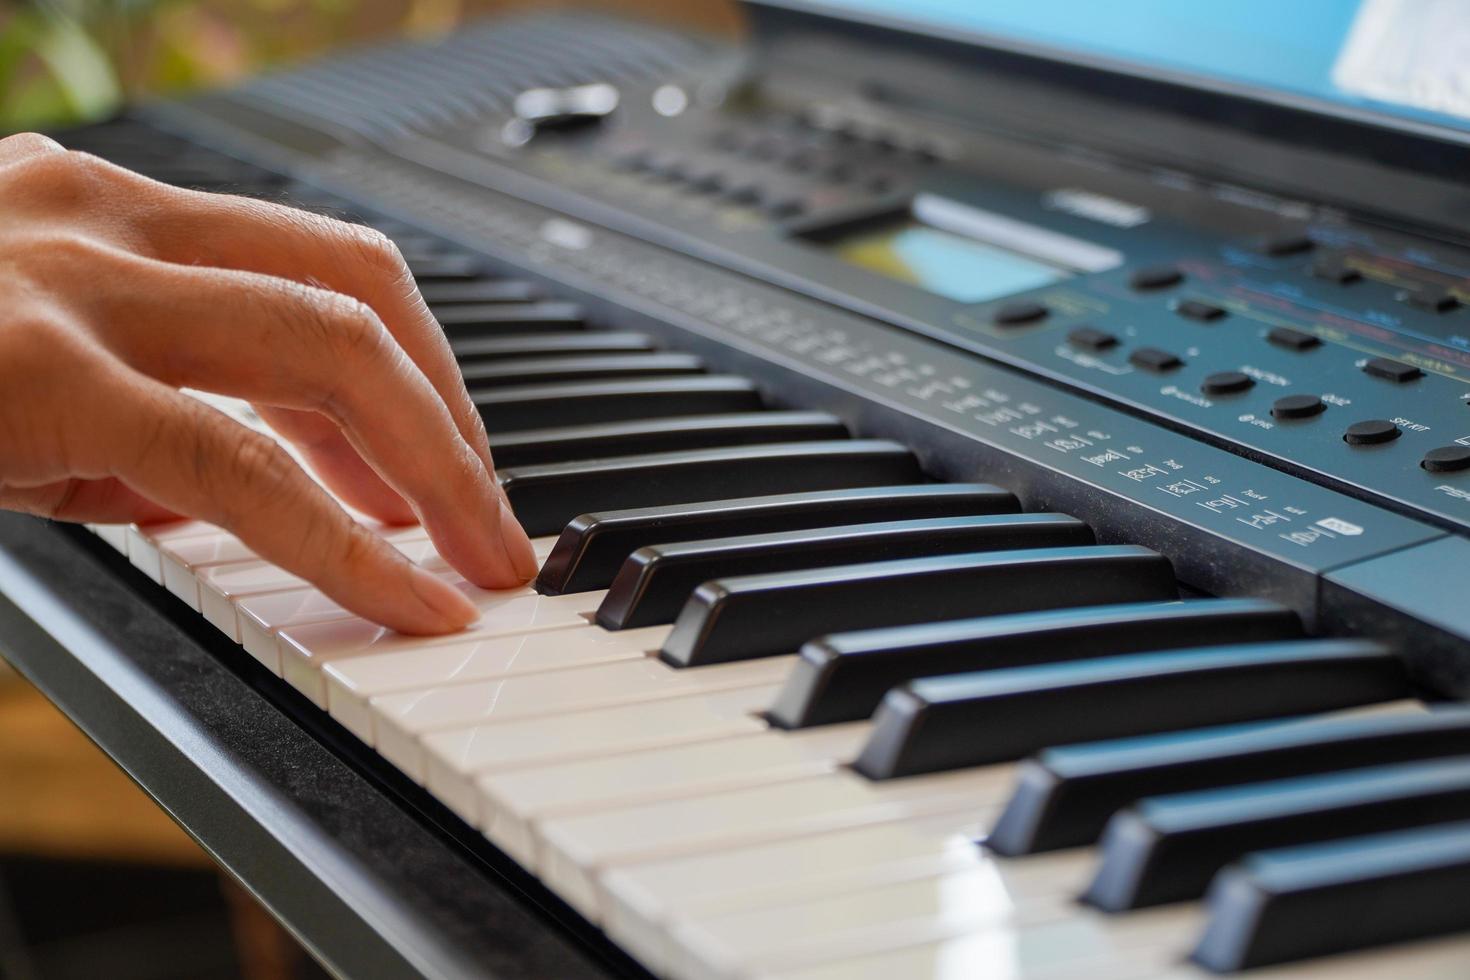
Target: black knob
x=1226, y=383
x=1298, y=407
x=1024, y=311
x=1447, y=459
x=1371, y=432
x=1155, y=277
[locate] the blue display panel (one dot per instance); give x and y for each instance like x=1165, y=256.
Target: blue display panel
x=1403, y=58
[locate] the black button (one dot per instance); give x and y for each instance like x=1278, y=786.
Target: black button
x=1298, y=407
x=1153, y=359
x=707, y=181
x=1447, y=459
x=668, y=168
x=1292, y=339
x=632, y=161
x=1155, y=277
x=837, y=172
x=1335, y=270
x=1227, y=383
x=879, y=184
x=1382, y=367
x=1431, y=299
x=1198, y=310
x=784, y=207
x=1288, y=244
x=1091, y=338
x=743, y=193
x=1371, y=432
x=1024, y=311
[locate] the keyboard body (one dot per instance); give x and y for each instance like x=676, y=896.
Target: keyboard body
x=1192, y=387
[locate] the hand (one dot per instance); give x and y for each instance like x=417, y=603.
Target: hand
x=119, y=291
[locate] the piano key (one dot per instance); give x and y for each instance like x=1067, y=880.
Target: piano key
x=401, y=720
x=843, y=677
x=547, y=496
x=115, y=535
x=591, y=403
x=306, y=649
x=640, y=436
x=221, y=585
x=656, y=580
x=593, y=547
x=447, y=267
x=451, y=292
x=1167, y=848
x=552, y=370
x=549, y=344
x=642, y=901
x=143, y=542
x=503, y=319
x=576, y=849
x=759, y=615
x=1064, y=797
x=937, y=723
x=462, y=753
x=352, y=681
x=508, y=804
x=1319, y=899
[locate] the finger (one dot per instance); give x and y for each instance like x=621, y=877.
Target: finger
x=26, y=146
x=229, y=232
x=340, y=465
x=106, y=501
x=276, y=342
x=194, y=460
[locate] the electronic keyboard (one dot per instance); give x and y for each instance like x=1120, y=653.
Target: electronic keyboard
x=978, y=538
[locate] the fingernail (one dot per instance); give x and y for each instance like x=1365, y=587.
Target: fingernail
x=517, y=544
x=446, y=602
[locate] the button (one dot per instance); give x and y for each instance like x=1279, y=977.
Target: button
x=1447, y=459
x=1335, y=270
x=1197, y=310
x=707, y=181
x=1024, y=311
x=1292, y=243
x=1298, y=407
x=746, y=192
x=1155, y=277
x=1226, y=383
x=784, y=207
x=879, y=183
x=1371, y=432
x=1153, y=359
x=1091, y=338
x=1382, y=367
x=1292, y=339
x=1430, y=299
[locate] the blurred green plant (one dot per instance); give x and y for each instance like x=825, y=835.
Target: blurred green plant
x=64, y=61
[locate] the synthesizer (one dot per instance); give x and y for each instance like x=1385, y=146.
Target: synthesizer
x=1022, y=536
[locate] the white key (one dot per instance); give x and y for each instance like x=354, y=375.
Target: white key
x=542, y=546
x=401, y=720
x=455, y=660
x=575, y=850
x=114, y=534
x=642, y=901
x=144, y=542
x=304, y=650
x=182, y=561
x=509, y=804
x=222, y=586
x=591, y=734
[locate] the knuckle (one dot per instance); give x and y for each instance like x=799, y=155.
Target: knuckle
x=29, y=144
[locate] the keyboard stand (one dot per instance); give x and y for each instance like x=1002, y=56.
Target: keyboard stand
x=322, y=839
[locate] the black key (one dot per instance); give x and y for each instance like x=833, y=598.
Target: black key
x=451, y=266
x=655, y=581
x=1297, y=340
x=473, y=350
x=477, y=291
x=1195, y=309
x=557, y=405
x=661, y=436
x=1391, y=370
x=1167, y=848
x=844, y=677
x=763, y=615
x=991, y=716
x=1154, y=359
x=593, y=546
x=500, y=319
x=1065, y=795
x=1300, y=902
x=546, y=497
x=536, y=370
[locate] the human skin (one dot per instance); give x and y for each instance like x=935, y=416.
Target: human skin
x=118, y=291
